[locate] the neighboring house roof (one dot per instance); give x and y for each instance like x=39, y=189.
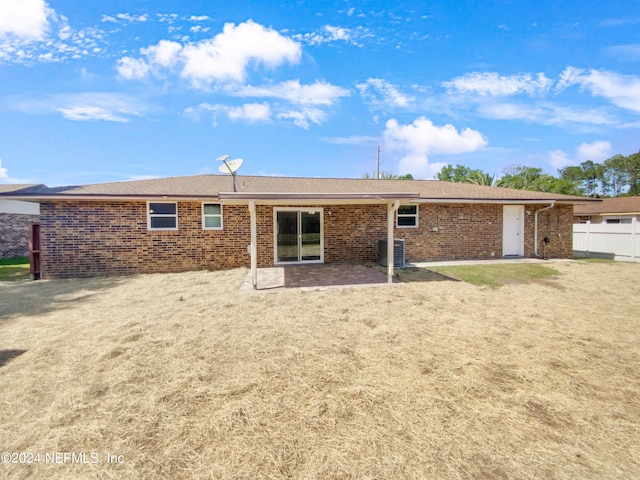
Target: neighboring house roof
x=610, y=206
x=259, y=187
x=16, y=187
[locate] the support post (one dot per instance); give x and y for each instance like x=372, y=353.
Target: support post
x=634, y=239
x=253, y=250
x=391, y=211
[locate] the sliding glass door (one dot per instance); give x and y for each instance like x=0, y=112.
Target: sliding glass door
x=298, y=235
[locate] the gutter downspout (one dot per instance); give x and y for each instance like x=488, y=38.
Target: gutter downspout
x=253, y=251
x=535, y=228
x=392, y=209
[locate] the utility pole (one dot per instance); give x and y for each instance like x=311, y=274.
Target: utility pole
x=378, y=163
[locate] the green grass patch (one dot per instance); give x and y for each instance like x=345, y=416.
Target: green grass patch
x=14, y=261
x=16, y=268
x=498, y=275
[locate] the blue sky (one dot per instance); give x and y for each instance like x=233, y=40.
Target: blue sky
x=97, y=91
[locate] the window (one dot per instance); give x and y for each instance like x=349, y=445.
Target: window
x=407, y=216
x=618, y=220
x=162, y=216
x=212, y=216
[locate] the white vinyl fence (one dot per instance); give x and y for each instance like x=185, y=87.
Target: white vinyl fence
x=603, y=240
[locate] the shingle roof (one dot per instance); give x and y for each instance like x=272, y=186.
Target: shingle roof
x=212, y=186
x=613, y=206
x=16, y=187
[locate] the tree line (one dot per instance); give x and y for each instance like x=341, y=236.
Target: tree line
x=615, y=177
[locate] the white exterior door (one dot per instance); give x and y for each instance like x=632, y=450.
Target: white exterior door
x=513, y=230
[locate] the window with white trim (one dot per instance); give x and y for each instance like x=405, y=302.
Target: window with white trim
x=162, y=215
x=212, y=216
x=407, y=216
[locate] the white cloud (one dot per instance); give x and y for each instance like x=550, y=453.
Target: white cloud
x=167, y=17
x=331, y=34
x=226, y=56
x=317, y=93
x=82, y=113
x=164, y=54
x=199, y=18
x=327, y=34
x=622, y=90
x=337, y=33
x=415, y=142
x=629, y=52
x=617, y=22
x=24, y=19
x=111, y=107
x=545, y=113
x=223, y=58
x=31, y=31
x=125, y=17
x=132, y=68
x=559, y=159
x=495, y=85
x=3, y=172
x=251, y=112
x=304, y=117
x=391, y=96
x=596, y=151
x=301, y=103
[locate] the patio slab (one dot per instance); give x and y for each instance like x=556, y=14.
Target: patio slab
x=314, y=277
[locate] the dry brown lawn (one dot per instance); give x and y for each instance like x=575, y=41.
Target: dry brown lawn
x=184, y=377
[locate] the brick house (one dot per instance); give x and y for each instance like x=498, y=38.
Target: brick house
x=16, y=218
x=199, y=222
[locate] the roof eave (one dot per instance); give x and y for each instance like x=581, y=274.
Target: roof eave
x=501, y=201
x=93, y=197
x=270, y=196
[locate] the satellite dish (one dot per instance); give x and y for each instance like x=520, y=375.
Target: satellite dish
x=231, y=166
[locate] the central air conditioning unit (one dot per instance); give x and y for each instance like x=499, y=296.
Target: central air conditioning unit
x=398, y=252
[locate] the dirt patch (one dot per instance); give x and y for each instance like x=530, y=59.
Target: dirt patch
x=185, y=377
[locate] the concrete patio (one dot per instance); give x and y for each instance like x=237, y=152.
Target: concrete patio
x=343, y=275
x=314, y=277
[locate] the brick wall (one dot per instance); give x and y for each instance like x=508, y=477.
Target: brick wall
x=470, y=231
x=454, y=231
x=95, y=238
x=81, y=239
x=14, y=234
x=445, y=232
x=556, y=224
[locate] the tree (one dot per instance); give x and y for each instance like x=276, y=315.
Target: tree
x=617, y=173
x=482, y=178
x=449, y=173
x=463, y=174
x=389, y=176
x=524, y=178
x=634, y=174
x=589, y=177
x=533, y=178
